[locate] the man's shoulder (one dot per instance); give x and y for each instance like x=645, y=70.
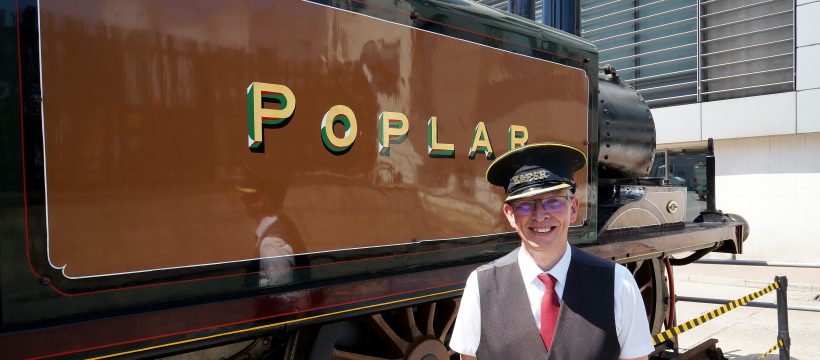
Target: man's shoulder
x=509, y=259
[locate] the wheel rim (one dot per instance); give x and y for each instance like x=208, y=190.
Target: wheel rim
x=649, y=276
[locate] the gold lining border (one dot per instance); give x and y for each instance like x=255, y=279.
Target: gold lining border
x=274, y=324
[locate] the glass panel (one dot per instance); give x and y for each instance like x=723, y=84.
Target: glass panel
x=687, y=167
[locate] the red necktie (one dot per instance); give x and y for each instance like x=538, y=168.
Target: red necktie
x=549, y=309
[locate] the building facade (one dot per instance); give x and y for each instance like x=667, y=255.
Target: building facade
x=743, y=72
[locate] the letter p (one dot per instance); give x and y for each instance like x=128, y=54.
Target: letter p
x=393, y=128
x=260, y=93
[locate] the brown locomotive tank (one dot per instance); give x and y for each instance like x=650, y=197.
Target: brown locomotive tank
x=148, y=175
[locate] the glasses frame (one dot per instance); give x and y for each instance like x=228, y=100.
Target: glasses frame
x=535, y=203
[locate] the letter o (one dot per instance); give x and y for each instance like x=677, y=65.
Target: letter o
x=339, y=114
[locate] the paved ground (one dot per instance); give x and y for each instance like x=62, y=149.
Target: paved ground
x=746, y=332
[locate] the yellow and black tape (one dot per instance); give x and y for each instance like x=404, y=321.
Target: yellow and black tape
x=779, y=345
x=691, y=324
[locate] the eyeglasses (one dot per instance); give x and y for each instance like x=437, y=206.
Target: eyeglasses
x=551, y=205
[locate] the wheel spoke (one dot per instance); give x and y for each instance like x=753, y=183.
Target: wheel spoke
x=645, y=286
x=450, y=320
x=637, y=267
x=411, y=322
x=344, y=355
x=388, y=332
x=430, y=319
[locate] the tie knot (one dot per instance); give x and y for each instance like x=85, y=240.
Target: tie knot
x=548, y=280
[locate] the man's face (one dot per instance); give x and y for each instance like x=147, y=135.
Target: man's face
x=543, y=220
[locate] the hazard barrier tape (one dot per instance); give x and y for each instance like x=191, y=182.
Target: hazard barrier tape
x=779, y=345
x=691, y=324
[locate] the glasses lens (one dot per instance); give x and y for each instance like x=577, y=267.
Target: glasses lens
x=556, y=204
x=524, y=207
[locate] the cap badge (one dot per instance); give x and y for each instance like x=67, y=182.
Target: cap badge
x=530, y=176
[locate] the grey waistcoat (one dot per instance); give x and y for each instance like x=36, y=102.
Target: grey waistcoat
x=586, y=322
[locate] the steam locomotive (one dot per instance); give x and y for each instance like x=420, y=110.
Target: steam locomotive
x=139, y=222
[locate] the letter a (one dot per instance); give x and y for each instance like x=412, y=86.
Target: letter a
x=481, y=142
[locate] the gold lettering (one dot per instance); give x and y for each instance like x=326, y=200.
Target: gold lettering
x=518, y=136
x=343, y=115
x=481, y=142
x=435, y=148
x=393, y=128
x=258, y=93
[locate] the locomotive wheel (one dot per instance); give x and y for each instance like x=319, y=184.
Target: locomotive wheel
x=649, y=275
x=414, y=333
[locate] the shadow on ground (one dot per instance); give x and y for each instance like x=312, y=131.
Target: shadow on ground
x=773, y=356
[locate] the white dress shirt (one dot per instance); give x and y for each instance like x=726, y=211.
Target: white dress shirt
x=630, y=316
x=274, y=263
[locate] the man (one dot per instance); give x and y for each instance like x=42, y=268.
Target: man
x=548, y=299
x=277, y=237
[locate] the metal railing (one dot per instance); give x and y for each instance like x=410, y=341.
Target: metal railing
x=759, y=263
x=780, y=284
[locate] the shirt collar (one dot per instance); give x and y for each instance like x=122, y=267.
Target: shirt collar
x=530, y=270
x=264, y=224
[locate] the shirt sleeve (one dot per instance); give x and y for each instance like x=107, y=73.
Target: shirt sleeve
x=630, y=316
x=467, y=330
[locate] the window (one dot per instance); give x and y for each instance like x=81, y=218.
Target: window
x=685, y=51
x=684, y=167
